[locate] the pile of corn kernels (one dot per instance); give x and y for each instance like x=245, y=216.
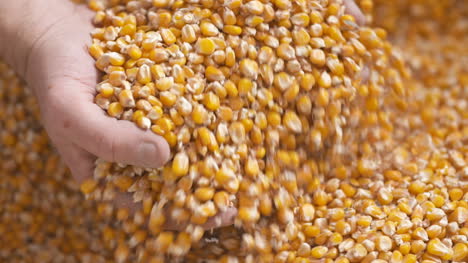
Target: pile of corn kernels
x=324, y=165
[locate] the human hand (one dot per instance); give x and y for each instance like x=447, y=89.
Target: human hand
x=52, y=57
x=49, y=50
x=353, y=9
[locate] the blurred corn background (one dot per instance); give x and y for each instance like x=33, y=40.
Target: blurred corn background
x=337, y=143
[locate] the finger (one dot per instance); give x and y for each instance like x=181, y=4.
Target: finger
x=82, y=167
x=354, y=10
x=120, y=141
x=80, y=163
x=110, y=139
x=222, y=219
x=225, y=218
x=125, y=200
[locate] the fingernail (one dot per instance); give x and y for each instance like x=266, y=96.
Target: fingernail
x=149, y=155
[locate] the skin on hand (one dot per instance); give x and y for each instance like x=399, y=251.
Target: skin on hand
x=354, y=10
x=48, y=48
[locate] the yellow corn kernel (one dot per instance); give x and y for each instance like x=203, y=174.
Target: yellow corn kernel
x=211, y=101
x=231, y=88
x=188, y=34
x=230, y=57
x=96, y=5
x=437, y=248
x=460, y=252
x=274, y=118
x=168, y=37
x=317, y=57
x=341, y=260
x=128, y=30
x=204, y=193
x=455, y=194
x=134, y=52
x=248, y=214
x=88, y=186
x=438, y=201
x=207, y=138
x=199, y=114
x=405, y=248
x=180, y=164
x=292, y=122
x=214, y=74
x=335, y=33
x=364, y=221
x=410, y=258
x=123, y=182
x=126, y=99
x=322, y=98
x=160, y=3
x=115, y=109
x=167, y=98
x=237, y=132
x=324, y=80
x=254, y=21
x=165, y=124
x=143, y=122
x=307, y=81
x=232, y=30
x=249, y=68
x=245, y=86
x=144, y=75
x=285, y=51
x=301, y=37
x=251, y=167
x=171, y=138
x=208, y=29
x=318, y=251
x=205, y=46
x=121, y=253
x=95, y=51
x=115, y=59
x=225, y=113
x=282, y=4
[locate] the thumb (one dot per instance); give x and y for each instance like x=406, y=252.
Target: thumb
x=120, y=141
x=111, y=139
x=353, y=9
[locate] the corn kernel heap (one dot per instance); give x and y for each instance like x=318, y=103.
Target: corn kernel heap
x=43, y=217
x=250, y=96
x=405, y=205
